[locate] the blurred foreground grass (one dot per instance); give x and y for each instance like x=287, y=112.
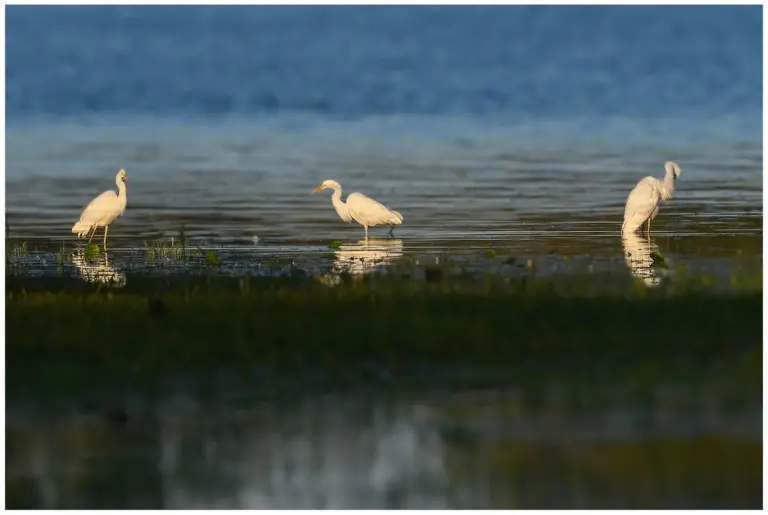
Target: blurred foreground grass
x=574, y=346
x=559, y=325
x=677, y=472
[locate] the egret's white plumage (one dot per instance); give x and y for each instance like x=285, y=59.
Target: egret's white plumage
x=643, y=201
x=363, y=210
x=103, y=210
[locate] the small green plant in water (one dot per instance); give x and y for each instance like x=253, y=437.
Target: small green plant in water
x=183, y=239
x=335, y=244
x=165, y=250
x=91, y=251
x=658, y=259
x=150, y=250
x=212, y=259
x=19, y=249
x=489, y=254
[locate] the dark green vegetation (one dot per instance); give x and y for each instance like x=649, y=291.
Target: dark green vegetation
x=640, y=377
x=536, y=327
x=600, y=342
x=569, y=340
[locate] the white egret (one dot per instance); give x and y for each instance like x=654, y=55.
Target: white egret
x=363, y=210
x=643, y=201
x=103, y=210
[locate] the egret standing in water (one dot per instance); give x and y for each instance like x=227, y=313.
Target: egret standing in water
x=103, y=210
x=363, y=210
x=643, y=201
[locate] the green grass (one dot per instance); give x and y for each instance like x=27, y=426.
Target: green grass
x=175, y=249
x=602, y=341
x=159, y=327
x=212, y=259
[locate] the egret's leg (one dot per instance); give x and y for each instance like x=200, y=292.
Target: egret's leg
x=366, y=232
x=649, y=232
x=93, y=234
x=106, y=228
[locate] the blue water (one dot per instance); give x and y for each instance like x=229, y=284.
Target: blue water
x=471, y=121
x=506, y=63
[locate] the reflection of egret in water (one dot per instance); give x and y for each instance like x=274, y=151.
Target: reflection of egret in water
x=365, y=256
x=637, y=253
x=97, y=269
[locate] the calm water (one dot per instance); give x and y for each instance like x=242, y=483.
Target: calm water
x=506, y=63
x=476, y=123
x=520, y=129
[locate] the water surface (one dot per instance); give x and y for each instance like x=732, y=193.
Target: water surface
x=508, y=137
x=508, y=124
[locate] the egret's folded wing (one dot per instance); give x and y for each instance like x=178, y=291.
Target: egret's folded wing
x=99, y=207
x=641, y=201
x=367, y=211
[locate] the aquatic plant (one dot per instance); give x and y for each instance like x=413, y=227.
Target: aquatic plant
x=91, y=251
x=212, y=259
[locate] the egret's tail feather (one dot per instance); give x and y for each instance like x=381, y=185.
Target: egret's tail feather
x=81, y=229
x=398, y=218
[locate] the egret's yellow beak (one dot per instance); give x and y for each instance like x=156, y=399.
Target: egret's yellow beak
x=319, y=188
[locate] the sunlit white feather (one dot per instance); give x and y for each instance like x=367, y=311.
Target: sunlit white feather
x=644, y=200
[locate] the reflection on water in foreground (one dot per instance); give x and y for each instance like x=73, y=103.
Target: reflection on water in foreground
x=637, y=253
x=465, y=450
x=97, y=269
x=364, y=256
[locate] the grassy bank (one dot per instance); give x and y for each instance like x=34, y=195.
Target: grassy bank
x=56, y=336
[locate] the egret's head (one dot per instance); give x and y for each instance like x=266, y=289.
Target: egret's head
x=673, y=168
x=327, y=184
x=122, y=176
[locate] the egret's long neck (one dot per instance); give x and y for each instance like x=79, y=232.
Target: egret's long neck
x=339, y=205
x=122, y=195
x=668, y=185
